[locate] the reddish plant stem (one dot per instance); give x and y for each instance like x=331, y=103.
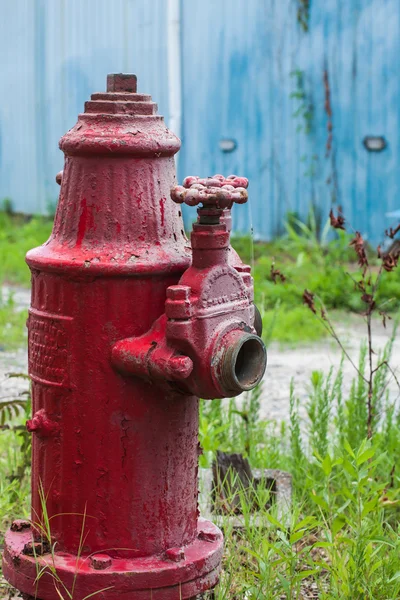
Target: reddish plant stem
x=370, y=379
x=327, y=323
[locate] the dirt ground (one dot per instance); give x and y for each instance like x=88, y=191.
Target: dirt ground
x=299, y=363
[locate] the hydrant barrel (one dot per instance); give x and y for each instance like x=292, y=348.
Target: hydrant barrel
x=101, y=277
x=114, y=457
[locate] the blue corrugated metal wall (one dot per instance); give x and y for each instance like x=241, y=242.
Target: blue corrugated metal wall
x=240, y=64
x=250, y=73
x=54, y=54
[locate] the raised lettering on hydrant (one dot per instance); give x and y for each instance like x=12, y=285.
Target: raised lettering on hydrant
x=128, y=327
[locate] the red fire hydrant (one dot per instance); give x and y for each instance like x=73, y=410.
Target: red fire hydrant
x=128, y=328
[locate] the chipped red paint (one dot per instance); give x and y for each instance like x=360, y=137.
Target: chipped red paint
x=162, y=210
x=115, y=379
x=206, y=342
x=172, y=575
x=82, y=222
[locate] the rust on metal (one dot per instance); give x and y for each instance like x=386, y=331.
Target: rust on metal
x=175, y=554
x=210, y=318
x=42, y=425
x=20, y=525
x=100, y=562
x=122, y=82
x=33, y=548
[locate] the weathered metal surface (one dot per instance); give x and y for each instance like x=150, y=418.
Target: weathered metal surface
x=216, y=191
x=159, y=576
x=206, y=342
x=124, y=452
x=65, y=51
x=127, y=328
x=265, y=81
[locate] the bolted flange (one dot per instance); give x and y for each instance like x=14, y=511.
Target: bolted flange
x=100, y=561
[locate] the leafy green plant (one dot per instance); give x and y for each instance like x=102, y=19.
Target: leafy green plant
x=340, y=536
x=319, y=409
x=7, y=206
x=307, y=236
x=366, y=283
x=304, y=111
x=303, y=13
x=13, y=410
x=342, y=539
x=314, y=256
x=352, y=511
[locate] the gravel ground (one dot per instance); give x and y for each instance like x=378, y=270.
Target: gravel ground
x=13, y=362
x=8, y=593
x=16, y=361
x=299, y=363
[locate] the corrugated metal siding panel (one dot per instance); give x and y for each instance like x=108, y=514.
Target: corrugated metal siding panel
x=18, y=175
x=227, y=93
x=357, y=43
x=239, y=86
x=61, y=52
x=238, y=65
x=238, y=62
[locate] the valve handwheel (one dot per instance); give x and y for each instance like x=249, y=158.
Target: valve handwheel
x=215, y=192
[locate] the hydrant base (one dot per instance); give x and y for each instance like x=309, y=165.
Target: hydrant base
x=195, y=569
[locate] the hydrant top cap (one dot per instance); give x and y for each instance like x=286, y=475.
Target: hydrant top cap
x=122, y=82
x=120, y=121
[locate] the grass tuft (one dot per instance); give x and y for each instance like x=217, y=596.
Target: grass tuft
x=13, y=332
x=343, y=540
x=18, y=234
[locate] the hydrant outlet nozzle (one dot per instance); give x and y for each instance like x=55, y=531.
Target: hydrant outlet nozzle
x=215, y=324
x=243, y=362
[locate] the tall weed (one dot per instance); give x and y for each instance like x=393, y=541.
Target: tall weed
x=343, y=539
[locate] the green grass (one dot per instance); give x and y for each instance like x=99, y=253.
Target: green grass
x=289, y=326
x=17, y=236
x=12, y=325
x=321, y=266
x=340, y=536
x=14, y=477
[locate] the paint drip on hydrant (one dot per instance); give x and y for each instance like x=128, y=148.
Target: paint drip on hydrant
x=129, y=326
